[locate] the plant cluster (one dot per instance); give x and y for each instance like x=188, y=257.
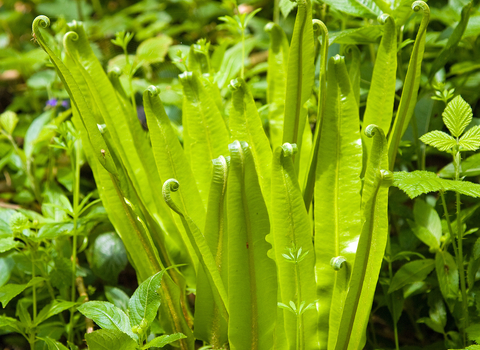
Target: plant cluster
x=260, y=199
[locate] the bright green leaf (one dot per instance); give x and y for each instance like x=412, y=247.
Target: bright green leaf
x=470, y=141
x=160, y=342
x=10, y=291
x=457, y=115
x=108, y=339
x=440, y=140
x=411, y=272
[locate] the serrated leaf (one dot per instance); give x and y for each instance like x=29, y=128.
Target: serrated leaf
x=457, y=115
x=470, y=141
x=420, y=182
x=160, y=342
x=107, y=339
x=413, y=271
x=107, y=316
x=145, y=302
x=10, y=291
x=9, y=243
x=439, y=139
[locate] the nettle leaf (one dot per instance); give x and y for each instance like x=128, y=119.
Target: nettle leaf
x=160, y=342
x=107, y=339
x=439, y=139
x=9, y=243
x=10, y=291
x=144, y=303
x=420, y=182
x=411, y=272
x=457, y=116
x=470, y=141
x=107, y=316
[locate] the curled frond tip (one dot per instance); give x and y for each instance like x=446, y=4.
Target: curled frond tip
x=371, y=130
x=420, y=5
x=289, y=149
x=153, y=91
x=337, y=262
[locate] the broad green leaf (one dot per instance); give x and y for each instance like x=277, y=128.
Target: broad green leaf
x=153, y=50
x=355, y=8
x=52, y=309
x=10, y=291
x=276, y=81
x=439, y=139
x=357, y=36
x=457, y=115
x=437, y=311
x=410, y=86
x=447, y=273
x=413, y=271
x=160, y=342
x=9, y=243
x=371, y=246
x=109, y=257
x=424, y=235
x=205, y=134
x=453, y=40
x=470, y=167
x=107, y=339
x=420, y=182
x=107, y=316
x=381, y=96
x=6, y=266
x=245, y=125
x=34, y=131
x=338, y=184
x=8, y=121
x=300, y=76
x=470, y=141
x=286, y=6
x=145, y=301
x=427, y=226
x=117, y=297
x=252, y=285
x=53, y=344
x=232, y=62
x=292, y=248
x=210, y=325
x=10, y=324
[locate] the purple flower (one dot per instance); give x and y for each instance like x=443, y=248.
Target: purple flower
x=51, y=102
x=66, y=103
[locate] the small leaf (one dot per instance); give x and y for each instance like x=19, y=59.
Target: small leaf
x=53, y=344
x=9, y=323
x=470, y=141
x=424, y=235
x=447, y=273
x=8, y=121
x=457, y=116
x=160, y=342
x=109, y=257
x=9, y=243
x=108, y=339
x=153, y=50
x=107, y=316
x=439, y=139
x=413, y=271
x=54, y=308
x=145, y=301
x=117, y=297
x=10, y=291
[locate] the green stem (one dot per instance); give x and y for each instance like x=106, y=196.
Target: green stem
x=391, y=296
x=449, y=223
x=465, y=322
x=34, y=301
x=79, y=10
x=242, y=73
x=130, y=78
x=276, y=11
x=76, y=190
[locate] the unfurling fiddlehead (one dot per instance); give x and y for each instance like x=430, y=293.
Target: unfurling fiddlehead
x=169, y=186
